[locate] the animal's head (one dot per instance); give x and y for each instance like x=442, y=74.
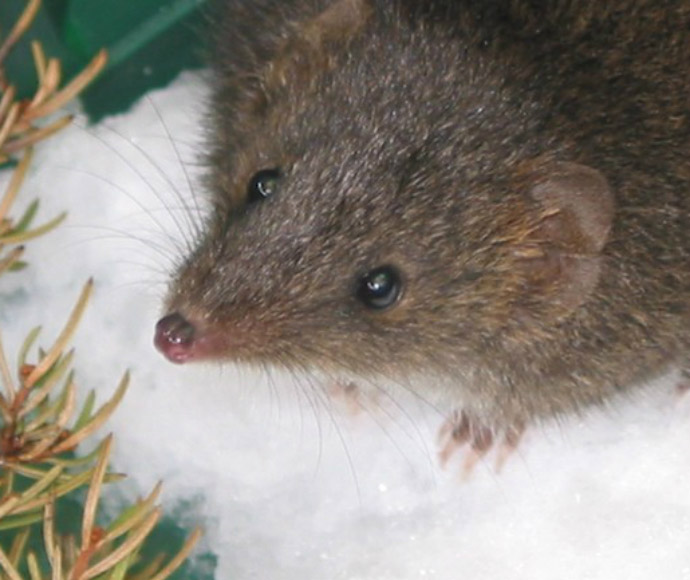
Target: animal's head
x=378, y=205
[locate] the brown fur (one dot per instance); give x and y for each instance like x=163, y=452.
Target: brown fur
x=524, y=164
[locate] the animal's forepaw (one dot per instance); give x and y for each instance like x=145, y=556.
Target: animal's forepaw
x=462, y=429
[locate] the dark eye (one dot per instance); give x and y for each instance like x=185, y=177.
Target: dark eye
x=264, y=184
x=380, y=288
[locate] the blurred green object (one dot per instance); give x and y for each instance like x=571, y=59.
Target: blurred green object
x=165, y=539
x=148, y=41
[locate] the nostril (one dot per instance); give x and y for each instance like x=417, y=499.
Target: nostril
x=175, y=329
x=175, y=337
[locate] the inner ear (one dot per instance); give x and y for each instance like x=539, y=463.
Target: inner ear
x=572, y=209
x=577, y=205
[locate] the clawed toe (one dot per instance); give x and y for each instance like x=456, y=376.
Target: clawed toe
x=462, y=429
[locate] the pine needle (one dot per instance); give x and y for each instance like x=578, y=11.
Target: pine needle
x=64, y=338
x=20, y=27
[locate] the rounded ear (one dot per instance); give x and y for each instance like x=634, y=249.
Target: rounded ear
x=263, y=44
x=309, y=48
x=337, y=23
x=573, y=209
x=579, y=207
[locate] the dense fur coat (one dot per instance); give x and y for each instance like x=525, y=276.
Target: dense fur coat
x=524, y=166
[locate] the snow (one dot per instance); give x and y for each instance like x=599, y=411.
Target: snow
x=292, y=487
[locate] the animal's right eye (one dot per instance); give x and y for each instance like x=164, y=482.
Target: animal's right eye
x=263, y=185
x=380, y=288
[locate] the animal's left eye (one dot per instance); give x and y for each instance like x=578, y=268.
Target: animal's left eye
x=263, y=185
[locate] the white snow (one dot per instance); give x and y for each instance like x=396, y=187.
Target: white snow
x=292, y=489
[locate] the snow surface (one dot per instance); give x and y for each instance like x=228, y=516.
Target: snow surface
x=294, y=488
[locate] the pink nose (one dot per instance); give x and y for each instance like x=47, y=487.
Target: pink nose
x=175, y=338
